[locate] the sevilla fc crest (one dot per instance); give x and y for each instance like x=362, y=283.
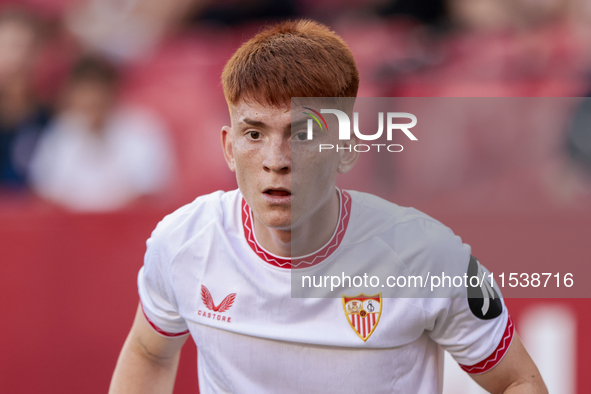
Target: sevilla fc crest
x=363, y=313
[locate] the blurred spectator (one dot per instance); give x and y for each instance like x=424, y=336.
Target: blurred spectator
x=128, y=29
x=98, y=155
x=431, y=12
x=236, y=12
x=579, y=136
x=569, y=180
x=22, y=118
x=479, y=15
x=579, y=14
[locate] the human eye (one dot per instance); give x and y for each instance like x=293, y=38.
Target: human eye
x=254, y=135
x=301, y=136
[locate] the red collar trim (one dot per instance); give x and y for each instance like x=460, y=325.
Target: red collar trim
x=301, y=262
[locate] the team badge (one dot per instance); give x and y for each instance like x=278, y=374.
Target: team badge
x=363, y=313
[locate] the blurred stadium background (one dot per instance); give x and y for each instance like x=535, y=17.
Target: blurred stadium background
x=77, y=75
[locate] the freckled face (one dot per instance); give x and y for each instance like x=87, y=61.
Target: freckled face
x=276, y=167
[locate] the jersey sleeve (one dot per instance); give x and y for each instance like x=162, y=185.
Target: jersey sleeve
x=156, y=295
x=475, y=328
x=472, y=323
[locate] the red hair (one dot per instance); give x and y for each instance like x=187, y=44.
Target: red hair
x=291, y=59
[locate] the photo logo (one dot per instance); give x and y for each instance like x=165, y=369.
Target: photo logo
x=315, y=116
x=345, y=129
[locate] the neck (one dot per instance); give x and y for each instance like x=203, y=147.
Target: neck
x=314, y=231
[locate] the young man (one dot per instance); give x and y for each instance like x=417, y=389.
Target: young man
x=220, y=268
x=99, y=155
x=23, y=118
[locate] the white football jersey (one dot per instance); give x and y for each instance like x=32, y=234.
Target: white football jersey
x=205, y=274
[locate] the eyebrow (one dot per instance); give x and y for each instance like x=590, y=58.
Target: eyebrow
x=256, y=123
x=299, y=123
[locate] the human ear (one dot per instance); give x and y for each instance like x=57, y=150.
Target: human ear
x=227, y=147
x=347, y=155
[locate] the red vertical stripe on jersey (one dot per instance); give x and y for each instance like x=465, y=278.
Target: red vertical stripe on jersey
x=364, y=327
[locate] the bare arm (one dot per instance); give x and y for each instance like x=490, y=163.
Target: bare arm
x=515, y=374
x=148, y=361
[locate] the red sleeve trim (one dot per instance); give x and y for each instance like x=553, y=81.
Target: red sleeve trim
x=159, y=330
x=496, y=356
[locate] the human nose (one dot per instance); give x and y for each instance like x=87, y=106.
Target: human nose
x=278, y=156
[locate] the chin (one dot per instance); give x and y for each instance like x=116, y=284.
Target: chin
x=276, y=220
x=279, y=223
